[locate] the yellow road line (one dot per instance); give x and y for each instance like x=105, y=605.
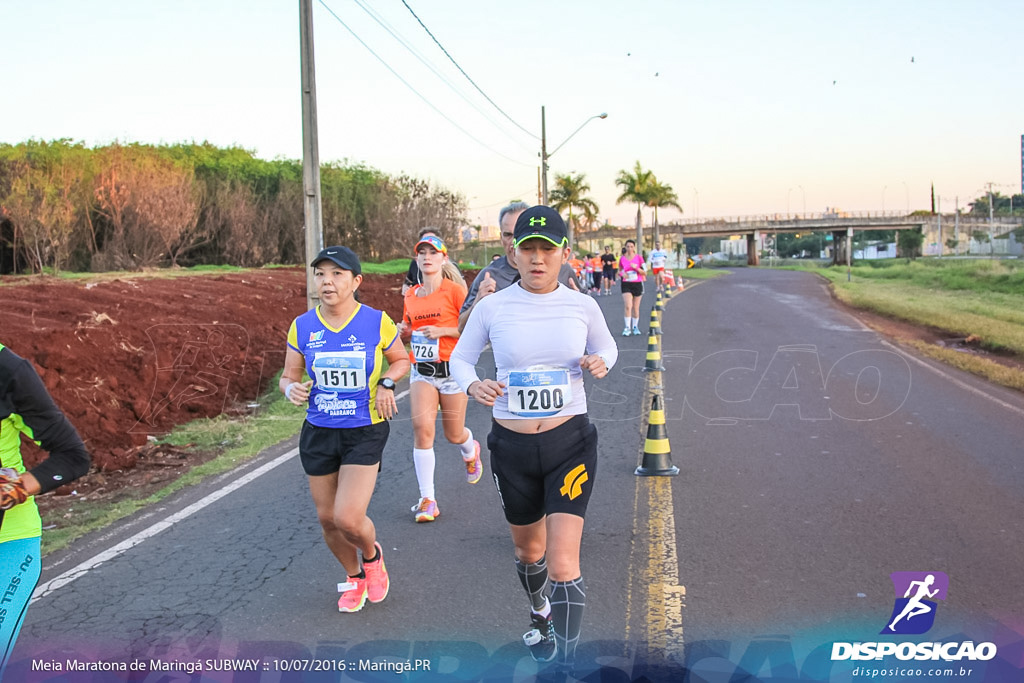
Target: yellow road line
x=655, y=569
x=665, y=596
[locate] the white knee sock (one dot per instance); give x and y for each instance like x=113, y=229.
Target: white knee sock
x=423, y=458
x=467, y=447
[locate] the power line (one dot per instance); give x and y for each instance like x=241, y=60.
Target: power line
x=417, y=93
x=423, y=60
x=465, y=74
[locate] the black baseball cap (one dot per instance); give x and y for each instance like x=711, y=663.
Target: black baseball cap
x=543, y=222
x=340, y=256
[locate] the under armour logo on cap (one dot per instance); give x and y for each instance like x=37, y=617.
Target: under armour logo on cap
x=543, y=222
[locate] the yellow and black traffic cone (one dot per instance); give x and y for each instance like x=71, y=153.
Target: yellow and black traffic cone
x=657, y=303
x=655, y=326
x=653, y=363
x=657, y=460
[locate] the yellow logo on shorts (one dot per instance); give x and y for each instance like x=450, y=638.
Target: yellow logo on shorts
x=573, y=484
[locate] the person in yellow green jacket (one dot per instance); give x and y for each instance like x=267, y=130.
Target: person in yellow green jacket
x=26, y=408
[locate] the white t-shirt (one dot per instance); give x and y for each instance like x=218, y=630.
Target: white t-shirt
x=538, y=341
x=658, y=258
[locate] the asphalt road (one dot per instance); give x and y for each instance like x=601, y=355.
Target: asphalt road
x=814, y=458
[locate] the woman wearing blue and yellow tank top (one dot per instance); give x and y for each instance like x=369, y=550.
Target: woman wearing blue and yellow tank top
x=341, y=345
x=26, y=408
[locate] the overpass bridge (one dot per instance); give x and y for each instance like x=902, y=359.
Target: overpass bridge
x=842, y=225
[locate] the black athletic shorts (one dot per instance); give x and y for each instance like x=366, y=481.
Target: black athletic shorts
x=539, y=474
x=323, y=450
x=634, y=288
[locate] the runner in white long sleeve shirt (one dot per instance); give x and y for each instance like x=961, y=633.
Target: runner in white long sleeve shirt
x=543, y=447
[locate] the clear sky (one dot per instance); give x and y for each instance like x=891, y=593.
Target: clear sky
x=744, y=107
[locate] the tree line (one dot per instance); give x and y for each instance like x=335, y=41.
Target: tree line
x=64, y=206
x=638, y=186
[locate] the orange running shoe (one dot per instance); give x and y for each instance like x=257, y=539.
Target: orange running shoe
x=426, y=510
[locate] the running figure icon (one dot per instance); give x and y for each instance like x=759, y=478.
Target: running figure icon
x=919, y=591
x=915, y=606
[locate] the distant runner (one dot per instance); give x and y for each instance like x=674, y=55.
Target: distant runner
x=659, y=257
x=608, y=270
x=631, y=270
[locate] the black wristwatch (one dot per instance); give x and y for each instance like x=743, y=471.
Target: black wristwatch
x=387, y=383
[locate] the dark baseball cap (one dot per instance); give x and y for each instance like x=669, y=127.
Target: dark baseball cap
x=343, y=257
x=543, y=222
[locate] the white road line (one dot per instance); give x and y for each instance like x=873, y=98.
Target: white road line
x=110, y=553
x=954, y=380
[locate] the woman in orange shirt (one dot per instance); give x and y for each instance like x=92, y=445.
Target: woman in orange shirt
x=431, y=319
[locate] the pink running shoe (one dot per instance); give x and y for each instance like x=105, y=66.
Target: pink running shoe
x=353, y=595
x=426, y=510
x=474, y=467
x=377, y=581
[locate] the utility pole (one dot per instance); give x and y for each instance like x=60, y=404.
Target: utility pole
x=543, y=159
x=313, y=227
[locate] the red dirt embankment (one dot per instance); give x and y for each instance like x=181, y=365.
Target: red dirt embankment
x=132, y=356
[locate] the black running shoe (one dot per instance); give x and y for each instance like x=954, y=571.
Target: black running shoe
x=541, y=638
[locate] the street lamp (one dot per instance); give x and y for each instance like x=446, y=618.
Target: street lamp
x=545, y=155
x=805, y=199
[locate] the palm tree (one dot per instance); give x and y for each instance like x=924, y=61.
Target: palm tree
x=568, y=192
x=634, y=189
x=660, y=194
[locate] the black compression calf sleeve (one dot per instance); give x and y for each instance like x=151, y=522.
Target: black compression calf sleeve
x=568, y=599
x=534, y=578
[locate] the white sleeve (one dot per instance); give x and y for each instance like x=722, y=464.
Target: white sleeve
x=599, y=338
x=471, y=343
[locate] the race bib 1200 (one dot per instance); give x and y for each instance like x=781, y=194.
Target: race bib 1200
x=538, y=392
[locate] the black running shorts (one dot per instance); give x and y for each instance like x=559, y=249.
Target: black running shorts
x=539, y=474
x=323, y=450
x=634, y=288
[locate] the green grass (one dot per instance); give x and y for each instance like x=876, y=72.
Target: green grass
x=391, y=267
x=997, y=276
x=234, y=440
x=984, y=298
x=387, y=268
x=989, y=369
